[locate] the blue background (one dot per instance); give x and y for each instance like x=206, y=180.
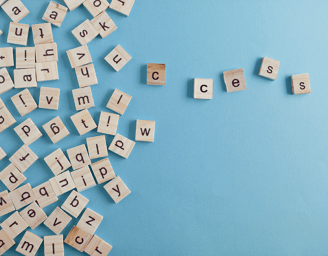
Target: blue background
x=244, y=173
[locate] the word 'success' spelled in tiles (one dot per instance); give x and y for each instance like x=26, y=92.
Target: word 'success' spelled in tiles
x=12, y=177
x=78, y=238
x=121, y=145
x=28, y=132
x=18, y=33
x=269, y=68
x=75, y=204
x=7, y=205
x=57, y=220
x=57, y=162
x=6, y=57
x=104, y=24
x=6, y=83
x=301, y=84
x=24, y=102
x=53, y=245
x=97, y=246
x=122, y=6
x=117, y=189
x=14, y=225
x=78, y=157
x=6, y=119
x=44, y=194
x=85, y=32
x=30, y=244
x=55, y=13
x=234, y=80
x=42, y=33
x=62, y=183
x=117, y=58
x=49, y=98
x=203, y=88
x=108, y=123
x=33, y=215
x=119, y=101
x=22, y=196
x=83, y=178
x=89, y=221
x=25, y=57
x=103, y=170
x=15, y=9
x=83, y=122
x=156, y=74
x=56, y=129
x=23, y=158
x=79, y=56
x=145, y=130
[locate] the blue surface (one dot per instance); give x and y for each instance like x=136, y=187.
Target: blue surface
x=242, y=174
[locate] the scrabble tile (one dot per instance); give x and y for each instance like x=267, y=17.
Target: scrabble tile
x=5, y=242
x=18, y=33
x=2, y=154
x=85, y=32
x=46, y=52
x=72, y=4
x=75, y=204
x=156, y=74
x=15, y=9
x=14, y=225
x=33, y=215
x=62, y=183
x=203, y=88
x=301, y=84
x=6, y=83
x=121, y=145
x=6, y=57
x=103, y=170
x=46, y=71
x=25, y=57
x=57, y=162
x=97, y=246
x=103, y=24
x=49, y=97
x=78, y=157
x=83, y=122
x=42, y=33
x=269, y=68
x=23, y=158
x=234, y=80
x=96, y=6
x=108, y=123
x=30, y=244
x=83, y=178
x=89, y=221
x=6, y=119
x=119, y=101
x=57, y=220
x=22, y=196
x=97, y=147
x=27, y=131
x=117, y=58
x=79, y=56
x=117, y=189
x=55, y=13
x=6, y=205
x=122, y=6
x=12, y=177
x=145, y=130
x=78, y=238
x=44, y=194
x=83, y=98
x=25, y=78
x=86, y=75
x=24, y=102
x=53, y=245
x=56, y=129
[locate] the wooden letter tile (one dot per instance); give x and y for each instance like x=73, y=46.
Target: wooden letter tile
x=103, y=170
x=108, y=123
x=119, y=101
x=78, y=238
x=42, y=33
x=85, y=32
x=14, y=225
x=83, y=98
x=75, y=204
x=145, y=130
x=96, y=6
x=56, y=129
x=57, y=162
x=269, y=68
x=28, y=132
x=117, y=58
x=5, y=242
x=6, y=119
x=203, y=88
x=6, y=83
x=156, y=74
x=234, y=80
x=83, y=122
x=121, y=145
x=25, y=57
x=301, y=84
x=44, y=194
x=86, y=75
x=12, y=177
x=22, y=196
x=15, y=9
x=49, y=97
x=57, y=220
x=83, y=178
x=97, y=247
x=33, y=215
x=78, y=157
x=72, y=4
x=117, y=189
x=53, y=245
x=89, y=221
x=18, y=33
x=23, y=158
x=6, y=57
x=62, y=183
x=46, y=52
x=24, y=102
x=122, y=6
x=2, y=154
x=30, y=244
x=46, y=71
x=97, y=147
x=79, y=56
x=104, y=24
x=55, y=13
x=6, y=205
x=25, y=78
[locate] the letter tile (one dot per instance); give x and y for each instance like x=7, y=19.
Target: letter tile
x=85, y=32
x=119, y=101
x=27, y=131
x=97, y=246
x=24, y=102
x=57, y=220
x=57, y=162
x=156, y=74
x=6, y=83
x=83, y=122
x=301, y=84
x=44, y=194
x=96, y=6
x=25, y=78
x=12, y=177
x=14, y=225
x=117, y=189
x=83, y=178
x=203, y=88
x=54, y=245
x=6, y=119
x=86, y=75
x=33, y=215
x=18, y=33
x=49, y=97
x=23, y=158
x=269, y=68
x=145, y=130
x=75, y=204
x=103, y=170
x=89, y=221
x=15, y=9
x=6, y=205
x=122, y=6
x=22, y=196
x=117, y=58
x=25, y=57
x=121, y=145
x=83, y=98
x=72, y=4
x=46, y=71
x=104, y=24
x=6, y=57
x=55, y=13
x=78, y=238
x=97, y=147
x=78, y=157
x=56, y=129
x=62, y=183
x=234, y=80
x=42, y=33
x=5, y=242
x=46, y=52
x=30, y=244
x=79, y=56
x=108, y=123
